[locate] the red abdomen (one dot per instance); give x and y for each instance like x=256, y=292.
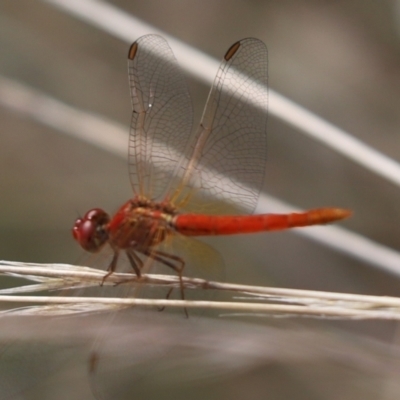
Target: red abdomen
x=202, y=225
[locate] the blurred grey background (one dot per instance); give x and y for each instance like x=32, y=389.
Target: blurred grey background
x=339, y=59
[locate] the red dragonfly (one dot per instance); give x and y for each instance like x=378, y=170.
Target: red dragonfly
x=173, y=168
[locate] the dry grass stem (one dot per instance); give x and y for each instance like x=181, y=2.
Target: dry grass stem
x=253, y=299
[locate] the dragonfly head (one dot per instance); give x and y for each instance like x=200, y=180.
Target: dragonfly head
x=90, y=231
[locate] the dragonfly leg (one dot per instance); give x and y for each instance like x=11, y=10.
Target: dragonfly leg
x=166, y=297
x=111, y=267
x=135, y=261
x=136, y=264
x=177, y=266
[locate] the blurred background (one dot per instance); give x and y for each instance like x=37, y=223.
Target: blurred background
x=340, y=60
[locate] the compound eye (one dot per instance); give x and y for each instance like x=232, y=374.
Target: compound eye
x=91, y=230
x=76, y=229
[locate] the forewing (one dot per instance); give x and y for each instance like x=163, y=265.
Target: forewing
x=228, y=155
x=162, y=116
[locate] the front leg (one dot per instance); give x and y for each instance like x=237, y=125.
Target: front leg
x=111, y=267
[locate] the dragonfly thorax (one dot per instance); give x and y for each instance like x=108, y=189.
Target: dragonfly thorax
x=140, y=224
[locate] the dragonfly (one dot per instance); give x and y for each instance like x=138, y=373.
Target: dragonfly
x=178, y=173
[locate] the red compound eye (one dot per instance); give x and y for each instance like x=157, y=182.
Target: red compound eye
x=91, y=230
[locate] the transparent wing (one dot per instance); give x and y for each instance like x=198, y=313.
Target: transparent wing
x=228, y=155
x=162, y=116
